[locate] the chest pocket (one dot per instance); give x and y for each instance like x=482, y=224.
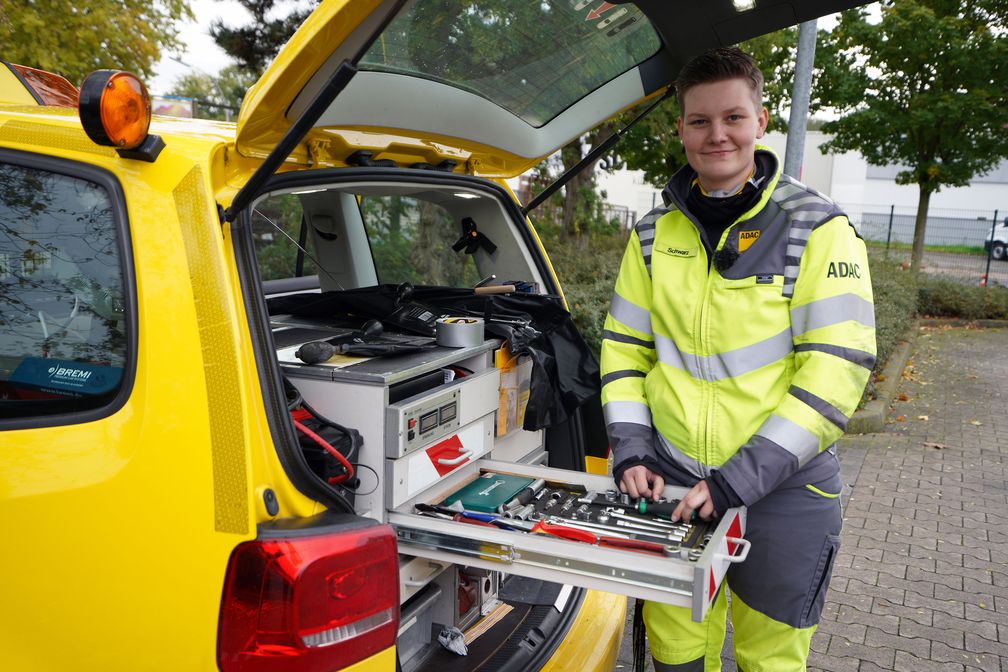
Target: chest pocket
x=750, y=310
x=759, y=281
x=678, y=278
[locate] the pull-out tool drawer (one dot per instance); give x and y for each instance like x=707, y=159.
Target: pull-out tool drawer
x=680, y=574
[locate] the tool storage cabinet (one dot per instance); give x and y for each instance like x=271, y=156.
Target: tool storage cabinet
x=425, y=437
x=690, y=582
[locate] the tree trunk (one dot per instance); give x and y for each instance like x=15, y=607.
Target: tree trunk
x=570, y=155
x=571, y=226
x=918, y=242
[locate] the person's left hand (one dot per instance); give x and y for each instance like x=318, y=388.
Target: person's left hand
x=697, y=499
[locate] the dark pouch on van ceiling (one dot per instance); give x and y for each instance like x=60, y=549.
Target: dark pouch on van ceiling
x=565, y=372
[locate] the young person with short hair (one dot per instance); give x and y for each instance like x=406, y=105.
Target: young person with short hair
x=733, y=355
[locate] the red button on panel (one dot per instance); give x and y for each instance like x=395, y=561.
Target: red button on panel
x=411, y=423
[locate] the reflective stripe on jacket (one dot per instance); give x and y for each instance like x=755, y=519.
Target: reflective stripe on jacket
x=754, y=370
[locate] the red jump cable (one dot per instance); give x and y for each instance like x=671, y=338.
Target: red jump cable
x=329, y=449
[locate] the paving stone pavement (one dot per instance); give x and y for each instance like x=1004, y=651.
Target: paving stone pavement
x=921, y=580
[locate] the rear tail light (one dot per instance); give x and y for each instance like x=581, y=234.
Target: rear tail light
x=309, y=603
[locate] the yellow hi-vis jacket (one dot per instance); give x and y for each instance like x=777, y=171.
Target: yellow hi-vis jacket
x=753, y=371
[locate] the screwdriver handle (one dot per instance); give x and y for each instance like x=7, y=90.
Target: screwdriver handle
x=657, y=508
x=661, y=509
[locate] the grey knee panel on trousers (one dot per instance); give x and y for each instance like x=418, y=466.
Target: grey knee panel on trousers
x=692, y=666
x=795, y=536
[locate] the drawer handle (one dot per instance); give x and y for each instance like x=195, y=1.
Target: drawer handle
x=416, y=583
x=741, y=555
x=464, y=454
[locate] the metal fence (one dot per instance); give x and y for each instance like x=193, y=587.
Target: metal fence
x=955, y=240
x=620, y=213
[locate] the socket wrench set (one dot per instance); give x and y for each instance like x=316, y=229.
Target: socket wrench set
x=608, y=518
x=574, y=528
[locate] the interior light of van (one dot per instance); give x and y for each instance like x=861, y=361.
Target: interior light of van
x=308, y=603
x=115, y=109
x=464, y=194
x=743, y=5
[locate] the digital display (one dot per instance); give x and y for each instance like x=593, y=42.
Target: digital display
x=447, y=412
x=428, y=421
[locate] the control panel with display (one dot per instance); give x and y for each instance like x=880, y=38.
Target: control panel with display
x=418, y=423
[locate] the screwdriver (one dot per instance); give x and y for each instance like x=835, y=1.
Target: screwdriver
x=661, y=509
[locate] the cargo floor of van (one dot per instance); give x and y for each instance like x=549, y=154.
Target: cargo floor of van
x=524, y=639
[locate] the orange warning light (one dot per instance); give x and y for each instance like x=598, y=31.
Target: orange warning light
x=115, y=108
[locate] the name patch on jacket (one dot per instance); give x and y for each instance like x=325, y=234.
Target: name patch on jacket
x=747, y=238
x=843, y=269
x=677, y=251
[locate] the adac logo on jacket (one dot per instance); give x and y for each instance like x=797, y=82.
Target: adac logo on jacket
x=843, y=269
x=747, y=238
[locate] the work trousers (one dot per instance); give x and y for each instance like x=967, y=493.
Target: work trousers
x=777, y=593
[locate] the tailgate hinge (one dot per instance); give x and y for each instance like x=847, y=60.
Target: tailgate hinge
x=316, y=147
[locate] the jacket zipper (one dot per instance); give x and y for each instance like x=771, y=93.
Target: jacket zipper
x=699, y=347
x=703, y=334
x=708, y=389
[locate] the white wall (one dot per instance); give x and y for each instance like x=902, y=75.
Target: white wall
x=843, y=177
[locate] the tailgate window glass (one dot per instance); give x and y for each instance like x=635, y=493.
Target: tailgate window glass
x=362, y=235
x=411, y=239
x=534, y=59
x=63, y=335
x=280, y=233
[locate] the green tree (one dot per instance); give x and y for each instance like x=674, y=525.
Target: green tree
x=217, y=96
x=653, y=145
x=74, y=39
x=924, y=88
x=255, y=44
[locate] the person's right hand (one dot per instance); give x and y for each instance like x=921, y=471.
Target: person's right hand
x=639, y=481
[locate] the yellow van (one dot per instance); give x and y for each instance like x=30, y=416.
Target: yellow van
x=184, y=484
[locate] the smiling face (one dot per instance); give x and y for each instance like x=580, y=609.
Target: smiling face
x=719, y=126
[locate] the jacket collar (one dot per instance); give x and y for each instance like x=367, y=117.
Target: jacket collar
x=678, y=187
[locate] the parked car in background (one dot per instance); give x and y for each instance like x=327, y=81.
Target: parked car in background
x=996, y=242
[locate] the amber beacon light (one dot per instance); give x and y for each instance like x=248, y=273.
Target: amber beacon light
x=115, y=110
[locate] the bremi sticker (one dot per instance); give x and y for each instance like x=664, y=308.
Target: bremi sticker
x=677, y=251
x=746, y=238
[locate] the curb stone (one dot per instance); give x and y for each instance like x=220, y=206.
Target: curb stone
x=871, y=418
